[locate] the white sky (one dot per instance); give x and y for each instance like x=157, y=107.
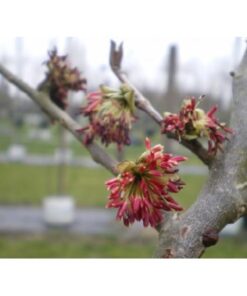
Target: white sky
x=204, y=31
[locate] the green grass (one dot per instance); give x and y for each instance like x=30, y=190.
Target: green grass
x=188, y=195
x=61, y=246
x=22, y=184
x=64, y=246
x=228, y=248
x=37, y=146
x=5, y=142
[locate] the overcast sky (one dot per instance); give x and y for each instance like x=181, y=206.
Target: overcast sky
x=202, y=31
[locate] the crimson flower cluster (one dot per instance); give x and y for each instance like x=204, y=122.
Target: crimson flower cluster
x=111, y=114
x=142, y=189
x=61, y=78
x=192, y=123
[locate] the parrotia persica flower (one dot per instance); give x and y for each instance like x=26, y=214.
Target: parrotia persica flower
x=143, y=188
x=61, y=78
x=192, y=123
x=111, y=114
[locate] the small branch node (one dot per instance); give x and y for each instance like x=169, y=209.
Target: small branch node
x=210, y=237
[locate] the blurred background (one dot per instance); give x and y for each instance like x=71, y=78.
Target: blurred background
x=52, y=195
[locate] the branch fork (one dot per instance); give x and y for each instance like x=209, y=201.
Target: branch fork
x=221, y=200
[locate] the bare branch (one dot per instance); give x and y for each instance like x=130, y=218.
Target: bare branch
x=116, y=55
x=43, y=100
x=197, y=148
x=23, y=86
x=224, y=197
x=141, y=102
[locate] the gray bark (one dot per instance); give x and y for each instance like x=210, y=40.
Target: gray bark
x=55, y=113
x=223, y=199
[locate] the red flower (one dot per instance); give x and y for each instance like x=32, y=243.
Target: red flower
x=192, y=123
x=142, y=189
x=60, y=78
x=111, y=114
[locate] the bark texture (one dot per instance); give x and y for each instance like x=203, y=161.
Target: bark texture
x=223, y=199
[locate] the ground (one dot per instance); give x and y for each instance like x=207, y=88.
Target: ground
x=28, y=184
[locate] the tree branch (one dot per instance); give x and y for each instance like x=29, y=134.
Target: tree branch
x=43, y=100
x=116, y=55
x=224, y=197
x=197, y=148
x=20, y=84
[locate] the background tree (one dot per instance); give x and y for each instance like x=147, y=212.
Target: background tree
x=223, y=199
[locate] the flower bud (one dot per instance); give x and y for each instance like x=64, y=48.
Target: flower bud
x=193, y=123
x=111, y=114
x=61, y=78
x=142, y=189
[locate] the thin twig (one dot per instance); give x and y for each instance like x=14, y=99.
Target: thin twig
x=42, y=99
x=116, y=55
